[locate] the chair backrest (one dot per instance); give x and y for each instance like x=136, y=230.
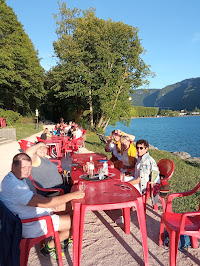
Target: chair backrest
x=60, y=190
x=24, y=144
x=166, y=168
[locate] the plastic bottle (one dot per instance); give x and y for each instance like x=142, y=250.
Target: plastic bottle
x=91, y=168
x=105, y=168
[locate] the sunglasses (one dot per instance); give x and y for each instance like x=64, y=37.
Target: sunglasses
x=140, y=148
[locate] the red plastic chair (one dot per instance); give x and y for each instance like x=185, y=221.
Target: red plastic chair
x=60, y=190
x=166, y=168
x=24, y=144
x=39, y=139
x=2, y=122
x=177, y=224
x=27, y=243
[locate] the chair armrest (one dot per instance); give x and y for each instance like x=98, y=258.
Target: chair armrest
x=45, y=217
x=50, y=227
x=188, y=214
x=179, y=194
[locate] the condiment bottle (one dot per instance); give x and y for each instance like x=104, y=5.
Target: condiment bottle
x=91, y=168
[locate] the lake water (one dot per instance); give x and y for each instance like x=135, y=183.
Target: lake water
x=166, y=133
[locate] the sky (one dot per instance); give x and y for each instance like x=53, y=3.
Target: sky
x=169, y=31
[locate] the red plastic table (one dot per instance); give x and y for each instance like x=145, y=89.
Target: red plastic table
x=107, y=195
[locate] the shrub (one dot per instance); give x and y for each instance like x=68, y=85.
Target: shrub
x=11, y=117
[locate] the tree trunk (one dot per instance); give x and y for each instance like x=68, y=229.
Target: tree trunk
x=113, y=107
x=104, y=128
x=78, y=114
x=100, y=121
x=91, y=108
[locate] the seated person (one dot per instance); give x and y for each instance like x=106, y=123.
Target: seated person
x=128, y=152
x=19, y=199
x=46, y=134
x=71, y=131
x=114, y=146
x=59, y=130
x=77, y=133
x=67, y=128
x=44, y=172
x=146, y=168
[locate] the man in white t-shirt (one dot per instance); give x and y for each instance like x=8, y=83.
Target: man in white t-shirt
x=19, y=199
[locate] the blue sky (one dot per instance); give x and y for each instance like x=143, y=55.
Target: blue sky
x=169, y=31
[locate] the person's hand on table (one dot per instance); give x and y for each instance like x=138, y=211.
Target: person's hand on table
x=78, y=194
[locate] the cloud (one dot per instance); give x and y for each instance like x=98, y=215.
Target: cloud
x=196, y=37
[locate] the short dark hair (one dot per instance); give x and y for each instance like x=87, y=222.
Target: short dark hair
x=143, y=141
x=21, y=157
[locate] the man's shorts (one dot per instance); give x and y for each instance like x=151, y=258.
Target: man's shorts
x=39, y=228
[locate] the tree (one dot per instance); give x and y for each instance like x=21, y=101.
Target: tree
x=99, y=63
x=21, y=76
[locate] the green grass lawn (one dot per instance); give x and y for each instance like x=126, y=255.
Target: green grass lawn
x=186, y=175
x=26, y=130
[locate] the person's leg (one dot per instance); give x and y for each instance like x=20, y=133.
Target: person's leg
x=64, y=228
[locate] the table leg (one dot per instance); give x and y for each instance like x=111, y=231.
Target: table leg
x=76, y=227
x=126, y=215
x=82, y=220
x=143, y=229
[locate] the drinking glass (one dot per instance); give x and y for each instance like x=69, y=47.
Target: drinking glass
x=122, y=177
x=81, y=186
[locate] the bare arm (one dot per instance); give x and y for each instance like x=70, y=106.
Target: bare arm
x=131, y=137
x=31, y=151
x=135, y=181
x=51, y=202
x=107, y=144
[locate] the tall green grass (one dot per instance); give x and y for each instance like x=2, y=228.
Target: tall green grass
x=186, y=175
x=26, y=130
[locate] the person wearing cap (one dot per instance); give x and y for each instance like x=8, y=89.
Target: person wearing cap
x=44, y=172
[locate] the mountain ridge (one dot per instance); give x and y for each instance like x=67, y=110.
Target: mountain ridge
x=181, y=95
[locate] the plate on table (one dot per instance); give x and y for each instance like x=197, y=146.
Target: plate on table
x=95, y=178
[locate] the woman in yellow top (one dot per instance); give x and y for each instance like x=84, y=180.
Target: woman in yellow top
x=128, y=152
x=114, y=145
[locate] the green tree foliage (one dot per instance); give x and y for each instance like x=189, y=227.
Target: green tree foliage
x=140, y=111
x=170, y=113
x=99, y=64
x=21, y=76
